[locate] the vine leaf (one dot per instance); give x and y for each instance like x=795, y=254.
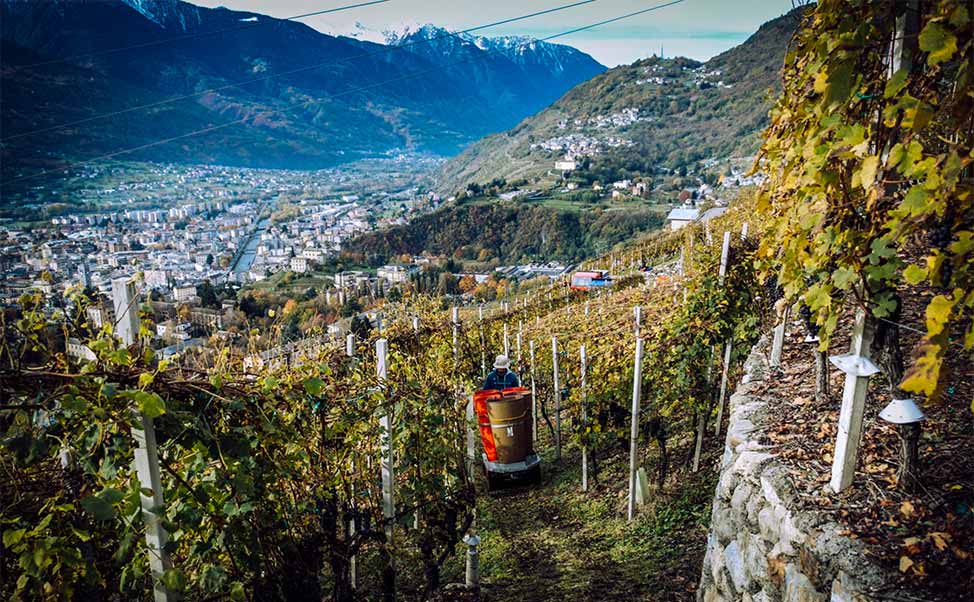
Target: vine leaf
x=896, y=83
x=150, y=404
x=101, y=505
x=940, y=43
x=313, y=386
x=174, y=579
x=914, y=274
x=867, y=173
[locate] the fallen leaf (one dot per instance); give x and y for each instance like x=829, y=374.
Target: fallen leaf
x=905, y=564
x=940, y=540
x=907, y=509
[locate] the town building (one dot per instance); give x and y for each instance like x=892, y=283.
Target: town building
x=681, y=216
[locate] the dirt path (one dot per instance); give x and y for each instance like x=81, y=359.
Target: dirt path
x=552, y=542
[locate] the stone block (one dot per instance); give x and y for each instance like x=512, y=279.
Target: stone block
x=844, y=589
x=716, y=563
x=727, y=458
x=756, y=559
x=739, y=501
x=749, y=463
x=727, y=483
x=734, y=560
x=799, y=589
x=768, y=524
x=754, y=506
x=722, y=523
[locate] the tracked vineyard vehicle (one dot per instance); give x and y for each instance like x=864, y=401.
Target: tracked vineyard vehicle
x=504, y=418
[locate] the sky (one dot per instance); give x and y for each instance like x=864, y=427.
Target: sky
x=698, y=29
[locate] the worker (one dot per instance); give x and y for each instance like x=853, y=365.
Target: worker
x=501, y=377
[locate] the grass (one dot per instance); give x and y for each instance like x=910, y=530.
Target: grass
x=555, y=542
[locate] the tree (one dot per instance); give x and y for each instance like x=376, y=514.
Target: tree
x=207, y=294
x=361, y=327
x=467, y=284
x=350, y=307
x=448, y=284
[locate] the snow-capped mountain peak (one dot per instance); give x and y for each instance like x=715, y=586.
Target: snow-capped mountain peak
x=167, y=13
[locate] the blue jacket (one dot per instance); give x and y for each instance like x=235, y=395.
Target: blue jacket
x=494, y=381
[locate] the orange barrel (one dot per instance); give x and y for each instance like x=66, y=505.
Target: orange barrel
x=480, y=399
x=510, y=423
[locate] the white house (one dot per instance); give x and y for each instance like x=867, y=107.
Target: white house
x=299, y=264
x=394, y=274
x=79, y=351
x=681, y=216
x=565, y=165
x=184, y=294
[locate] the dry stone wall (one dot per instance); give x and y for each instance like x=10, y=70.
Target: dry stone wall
x=762, y=547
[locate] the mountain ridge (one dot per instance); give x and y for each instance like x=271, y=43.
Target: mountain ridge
x=347, y=99
x=652, y=117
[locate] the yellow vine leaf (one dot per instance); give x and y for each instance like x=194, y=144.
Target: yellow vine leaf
x=938, y=313
x=867, y=174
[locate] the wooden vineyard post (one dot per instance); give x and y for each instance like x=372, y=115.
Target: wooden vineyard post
x=518, y=341
x=723, y=388
x=456, y=337
x=744, y=231
x=557, y=393
x=724, y=252
x=156, y=537
x=858, y=368
x=507, y=343
x=584, y=370
x=638, y=317
x=388, y=472
x=127, y=326
x=352, y=526
x=534, y=395
x=634, y=427
x=483, y=343
x=778, y=338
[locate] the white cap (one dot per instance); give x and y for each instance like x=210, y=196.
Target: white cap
x=902, y=411
x=502, y=362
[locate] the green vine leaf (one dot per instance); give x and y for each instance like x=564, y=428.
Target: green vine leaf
x=150, y=404
x=940, y=43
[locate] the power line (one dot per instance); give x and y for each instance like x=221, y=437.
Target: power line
x=193, y=36
x=357, y=90
x=383, y=50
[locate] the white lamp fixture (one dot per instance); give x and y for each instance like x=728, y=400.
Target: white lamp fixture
x=854, y=364
x=902, y=411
